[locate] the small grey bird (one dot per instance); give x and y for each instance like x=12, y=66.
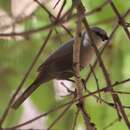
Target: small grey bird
x=59, y=65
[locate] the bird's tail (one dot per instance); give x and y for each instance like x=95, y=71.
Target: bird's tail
x=25, y=95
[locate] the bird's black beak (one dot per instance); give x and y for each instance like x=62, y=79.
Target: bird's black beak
x=105, y=37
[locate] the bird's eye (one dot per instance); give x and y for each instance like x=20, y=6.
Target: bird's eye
x=102, y=36
x=99, y=34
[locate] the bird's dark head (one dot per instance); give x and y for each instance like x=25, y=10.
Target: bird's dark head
x=100, y=33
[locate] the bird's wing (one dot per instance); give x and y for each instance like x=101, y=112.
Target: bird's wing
x=60, y=53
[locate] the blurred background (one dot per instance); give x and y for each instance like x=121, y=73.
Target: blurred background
x=18, y=52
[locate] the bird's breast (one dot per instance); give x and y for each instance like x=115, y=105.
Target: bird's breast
x=86, y=56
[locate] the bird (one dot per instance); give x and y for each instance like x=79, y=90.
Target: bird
x=59, y=65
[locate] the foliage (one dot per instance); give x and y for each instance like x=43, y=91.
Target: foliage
x=17, y=55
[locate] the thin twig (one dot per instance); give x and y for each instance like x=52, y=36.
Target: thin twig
x=76, y=62
x=96, y=80
x=76, y=55
x=61, y=9
x=111, y=123
x=75, y=120
x=56, y=4
x=120, y=18
x=59, y=116
x=42, y=115
x=55, y=18
x=121, y=92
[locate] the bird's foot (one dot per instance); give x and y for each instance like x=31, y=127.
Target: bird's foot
x=82, y=80
x=70, y=92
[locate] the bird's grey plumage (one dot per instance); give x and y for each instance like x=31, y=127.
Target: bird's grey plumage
x=59, y=65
